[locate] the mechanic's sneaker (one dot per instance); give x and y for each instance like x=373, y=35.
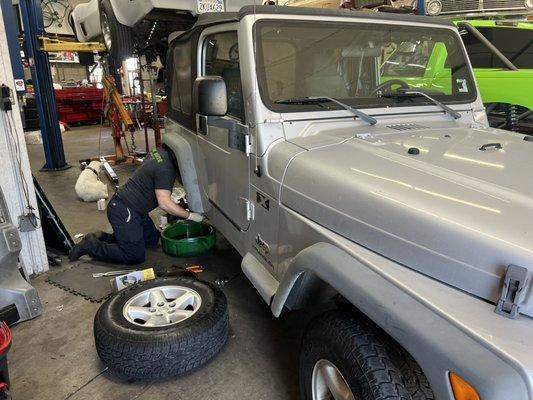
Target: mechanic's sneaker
x=79, y=250
x=93, y=235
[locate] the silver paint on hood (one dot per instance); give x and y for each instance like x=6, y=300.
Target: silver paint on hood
x=453, y=212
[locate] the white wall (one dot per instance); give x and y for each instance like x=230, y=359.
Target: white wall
x=33, y=253
x=64, y=29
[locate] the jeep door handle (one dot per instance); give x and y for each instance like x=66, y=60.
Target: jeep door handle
x=202, y=125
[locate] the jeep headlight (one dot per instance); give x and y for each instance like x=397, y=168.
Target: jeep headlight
x=434, y=7
x=529, y=4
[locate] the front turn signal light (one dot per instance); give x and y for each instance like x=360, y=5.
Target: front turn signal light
x=462, y=390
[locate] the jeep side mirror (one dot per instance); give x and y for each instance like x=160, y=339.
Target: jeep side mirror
x=209, y=96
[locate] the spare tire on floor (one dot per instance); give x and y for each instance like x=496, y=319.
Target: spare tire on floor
x=161, y=328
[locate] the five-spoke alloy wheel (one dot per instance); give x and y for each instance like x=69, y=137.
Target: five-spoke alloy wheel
x=345, y=358
x=162, y=306
x=328, y=382
x=162, y=328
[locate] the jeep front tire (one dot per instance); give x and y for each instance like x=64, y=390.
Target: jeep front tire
x=343, y=358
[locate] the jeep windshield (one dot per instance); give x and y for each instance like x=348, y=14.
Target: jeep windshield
x=359, y=64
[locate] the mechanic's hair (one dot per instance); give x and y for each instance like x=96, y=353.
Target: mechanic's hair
x=171, y=154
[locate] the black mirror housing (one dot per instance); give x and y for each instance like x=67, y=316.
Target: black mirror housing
x=209, y=94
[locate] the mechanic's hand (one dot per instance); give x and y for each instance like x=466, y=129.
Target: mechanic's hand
x=195, y=217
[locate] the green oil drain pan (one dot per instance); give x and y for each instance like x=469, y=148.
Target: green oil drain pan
x=188, y=238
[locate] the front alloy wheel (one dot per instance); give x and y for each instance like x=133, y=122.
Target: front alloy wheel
x=328, y=382
x=343, y=358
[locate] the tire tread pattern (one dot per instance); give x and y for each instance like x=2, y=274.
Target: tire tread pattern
x=376, y=377
x=121, y=35
x=416, y=381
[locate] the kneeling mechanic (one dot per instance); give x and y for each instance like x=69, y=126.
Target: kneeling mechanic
x=127, y=211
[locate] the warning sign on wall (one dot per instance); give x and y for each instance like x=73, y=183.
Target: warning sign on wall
x=19, y=85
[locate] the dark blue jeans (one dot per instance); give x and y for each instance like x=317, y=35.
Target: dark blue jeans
x=133, y=233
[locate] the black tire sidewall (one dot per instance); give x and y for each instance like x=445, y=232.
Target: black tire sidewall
x=350, y=343
x=121, y=42
x=316, y=348
x=111, y=319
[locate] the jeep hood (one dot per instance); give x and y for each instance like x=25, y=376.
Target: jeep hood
x=453, y=212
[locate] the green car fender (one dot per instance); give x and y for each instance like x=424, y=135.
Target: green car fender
x=500, y=85
x=505, y=86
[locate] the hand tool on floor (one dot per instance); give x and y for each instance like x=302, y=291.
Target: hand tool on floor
x=190, y=271
x=113, y=273
x=195, y=269
x=178, y=270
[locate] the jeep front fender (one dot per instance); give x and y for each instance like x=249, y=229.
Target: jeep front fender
x=442, y=328
x=187, y=168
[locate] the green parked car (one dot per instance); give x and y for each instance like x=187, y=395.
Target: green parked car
x=501, y=53
x=507, y=92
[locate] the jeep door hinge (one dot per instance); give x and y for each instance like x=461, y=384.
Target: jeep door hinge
x=250, y=210
x=512, y=292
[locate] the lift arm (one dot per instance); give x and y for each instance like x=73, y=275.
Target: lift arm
x=53, y=45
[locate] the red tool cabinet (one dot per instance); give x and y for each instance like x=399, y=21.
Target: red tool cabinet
x=79, y=105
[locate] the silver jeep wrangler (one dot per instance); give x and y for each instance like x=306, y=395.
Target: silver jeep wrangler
x=339, y=173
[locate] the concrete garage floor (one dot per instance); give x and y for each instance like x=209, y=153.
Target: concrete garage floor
x=53, y=357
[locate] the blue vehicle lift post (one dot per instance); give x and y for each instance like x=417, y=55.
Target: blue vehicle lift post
x=13, y=43
x=32, y=17
x=421, y=7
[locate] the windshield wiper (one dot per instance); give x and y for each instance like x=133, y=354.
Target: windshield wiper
x=325, y=99
x=416, y=93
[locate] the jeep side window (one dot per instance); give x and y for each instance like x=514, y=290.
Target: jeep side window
x=180, y=104
x=221, y=57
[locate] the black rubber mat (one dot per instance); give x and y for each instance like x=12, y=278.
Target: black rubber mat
x=221, y=265
x=79, y=280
